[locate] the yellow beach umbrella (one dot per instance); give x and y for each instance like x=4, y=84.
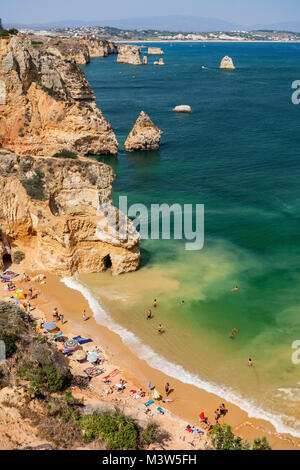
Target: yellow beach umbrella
x=156, y=395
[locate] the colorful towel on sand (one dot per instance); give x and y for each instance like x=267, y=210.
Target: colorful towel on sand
x=149, y=403
x=194, y=430
x=93, y=371
x=113, y=373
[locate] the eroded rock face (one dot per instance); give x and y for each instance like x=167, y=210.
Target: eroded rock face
x=129, y=54
x=101, y=48
x=59, y=213
x=144, y=135
x=227, y=63
x=49, y=105
x=68, y=49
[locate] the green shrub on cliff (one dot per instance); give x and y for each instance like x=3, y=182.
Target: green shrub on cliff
x=222, y=438
x=118, y=431
x=65, y=154
x=18, y=257
x=35, y=186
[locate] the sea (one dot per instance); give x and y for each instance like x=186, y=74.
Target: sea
x=238, y=154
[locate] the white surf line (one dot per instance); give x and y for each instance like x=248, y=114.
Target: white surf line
x=176, y=371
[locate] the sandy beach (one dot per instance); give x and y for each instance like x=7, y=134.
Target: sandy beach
x=188, y=402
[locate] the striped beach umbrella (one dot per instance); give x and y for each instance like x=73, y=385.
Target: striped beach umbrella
x=79, y=355
x=49, y=326
x=70, y=345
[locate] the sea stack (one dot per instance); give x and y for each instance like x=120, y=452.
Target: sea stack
x=129, y=54
x=155, y=51
x=183, y=108
x=227, y=63
x=159, y=62
x=144, y=135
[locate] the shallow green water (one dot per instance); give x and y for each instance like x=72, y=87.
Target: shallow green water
x=237, y=153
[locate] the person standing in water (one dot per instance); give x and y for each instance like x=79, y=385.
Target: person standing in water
x=159, y=329
x=250, y=363
x=149, y=315
x=154, y=303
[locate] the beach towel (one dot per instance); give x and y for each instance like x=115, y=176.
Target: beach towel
x=149, y=403
x=161, y=410
x=93, y=371
x=113, y=373
x=82, y=341
x=194, y=430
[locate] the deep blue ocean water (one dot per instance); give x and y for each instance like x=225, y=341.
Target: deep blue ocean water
x=238, y=153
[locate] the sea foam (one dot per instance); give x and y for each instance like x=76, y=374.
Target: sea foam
x=282, y=423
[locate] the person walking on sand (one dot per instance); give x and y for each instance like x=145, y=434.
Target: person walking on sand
x=222, y=409
x=250, y=363
x=62, y=318
x=55, y=314
x=159, y=329
x=30, y=293
x=149, y=315
x=167, y=388
x=217, y=416
x=84, y=315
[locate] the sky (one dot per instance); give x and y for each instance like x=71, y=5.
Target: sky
x=245, y=12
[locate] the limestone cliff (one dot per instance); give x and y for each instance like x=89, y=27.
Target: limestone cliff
x=68, y=49
x=144, y=135
x=47, y=105
x=227, y=63
x=159, y=62
x=129, y=54
x=59, y=212
x=100, y=48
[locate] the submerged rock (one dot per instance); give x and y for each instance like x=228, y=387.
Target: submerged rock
x=182, y=108
x=144, y=135
x=227, y=63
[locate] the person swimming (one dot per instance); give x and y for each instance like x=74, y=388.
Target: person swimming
x=234, y=289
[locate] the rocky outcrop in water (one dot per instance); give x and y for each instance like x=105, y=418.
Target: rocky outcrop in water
x=145, y=60
x=47, y=105
x=129, y=54
x=59, y=213
x=227, y=63
x=144, y=135
x=100, y=48
x=182, y=108
x=155, y=51
x=159, y=62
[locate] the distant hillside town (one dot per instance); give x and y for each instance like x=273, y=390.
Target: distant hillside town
x=121, y=35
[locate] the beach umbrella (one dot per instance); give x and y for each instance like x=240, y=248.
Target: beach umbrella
x=56, y=334
x=79, y=355
x=49, y=326
x=92, y=356
x=19, y=294
x=70, y=345
x=156, y=395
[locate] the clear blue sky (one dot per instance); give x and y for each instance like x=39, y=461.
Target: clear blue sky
x=239, y=11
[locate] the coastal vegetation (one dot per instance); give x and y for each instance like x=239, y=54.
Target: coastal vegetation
x=18, y=257
x=222, y=438
x=36, y=368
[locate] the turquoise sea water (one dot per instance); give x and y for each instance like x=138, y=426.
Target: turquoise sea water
x=238, y=153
